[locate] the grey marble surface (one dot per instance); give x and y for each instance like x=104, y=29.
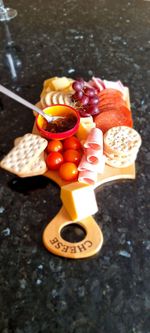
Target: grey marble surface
x=39, y=292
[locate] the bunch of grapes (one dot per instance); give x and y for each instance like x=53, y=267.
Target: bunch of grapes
x=86, y=99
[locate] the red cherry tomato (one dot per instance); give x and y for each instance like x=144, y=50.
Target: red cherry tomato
x=72, y=155
x=54, y=145
x=54, y=160
x=68, y=171
x=71, y=143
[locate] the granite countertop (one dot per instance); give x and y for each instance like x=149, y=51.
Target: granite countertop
x=40, y=292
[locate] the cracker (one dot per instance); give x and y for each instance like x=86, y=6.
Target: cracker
x=17, y=140
x=67, y=99
x=119, y=157
x=24, y=154
x=47, y=100
x=122, y=140
x=37, y=168
x=56, y=97
x=120, y=163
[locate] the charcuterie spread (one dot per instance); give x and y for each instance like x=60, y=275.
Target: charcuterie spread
x=92, y=142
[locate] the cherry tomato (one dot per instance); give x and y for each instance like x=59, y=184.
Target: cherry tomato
x=71, y=143
x=54, y=145
x=68, y=171
x=72, y=155
x=54, y=160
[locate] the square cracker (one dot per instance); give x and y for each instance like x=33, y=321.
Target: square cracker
x=21, y=158
x=37, y=168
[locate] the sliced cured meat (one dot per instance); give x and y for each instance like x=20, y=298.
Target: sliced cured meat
x=85, y=165
x=98, y=83
x=107, y=120
x=94, y=156
x=110, y=92
x=110, y=99
x=94, y=139
x=110, y=95
x=112, y=106
x=93, y=160
x=95, y=167
x=88, y=177
x=114, y=85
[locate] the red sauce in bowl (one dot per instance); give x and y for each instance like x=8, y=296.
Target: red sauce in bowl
x=61, y=125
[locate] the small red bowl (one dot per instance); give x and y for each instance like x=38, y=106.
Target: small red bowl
x=57, y=110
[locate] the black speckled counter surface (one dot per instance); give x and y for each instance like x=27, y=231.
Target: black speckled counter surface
x=39, y=292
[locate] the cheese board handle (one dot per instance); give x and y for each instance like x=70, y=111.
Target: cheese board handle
x=88, y=247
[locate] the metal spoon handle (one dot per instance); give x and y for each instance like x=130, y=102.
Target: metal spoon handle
x=21, y=100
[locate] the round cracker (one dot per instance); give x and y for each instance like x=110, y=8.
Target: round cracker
x=122, y=141
x=119, y=157
x=120, y=164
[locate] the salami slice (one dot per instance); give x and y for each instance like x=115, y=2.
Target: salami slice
x=107, y=120
x=112, y=106
x=110, y=92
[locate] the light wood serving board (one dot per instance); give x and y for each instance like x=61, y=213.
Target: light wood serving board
x=93, y=240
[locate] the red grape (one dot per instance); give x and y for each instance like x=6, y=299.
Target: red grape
x=93, y=100
x=93, y=110
x=78, y=95
x=90, y=92
x=81, y=82
x=77, y=85
x=84, y=113
x=84, y=100
x=74, y=96
x=86, y=97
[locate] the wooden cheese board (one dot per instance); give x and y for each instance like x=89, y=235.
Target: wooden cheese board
x=93, y=240
x=75, y=210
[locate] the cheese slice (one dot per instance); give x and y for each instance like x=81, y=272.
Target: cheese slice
x=60, y=83
x=86, y=124
x=79, y=200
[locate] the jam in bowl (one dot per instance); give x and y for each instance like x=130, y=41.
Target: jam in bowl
x=60, y=128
